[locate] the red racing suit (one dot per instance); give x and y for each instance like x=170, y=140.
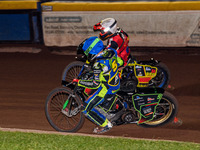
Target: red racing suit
x=119, y=41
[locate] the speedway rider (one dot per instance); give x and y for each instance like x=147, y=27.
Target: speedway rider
x=105, y=80
x=117, y=38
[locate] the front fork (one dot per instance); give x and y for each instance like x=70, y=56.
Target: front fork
x=67, y=101
x=68, y=111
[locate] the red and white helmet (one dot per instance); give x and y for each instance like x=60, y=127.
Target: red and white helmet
x=107, y=28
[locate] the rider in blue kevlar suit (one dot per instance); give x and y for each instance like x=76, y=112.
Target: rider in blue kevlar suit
x=105, y=80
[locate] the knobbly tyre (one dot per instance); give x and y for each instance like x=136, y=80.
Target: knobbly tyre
x=150, y=73
x=145, y=107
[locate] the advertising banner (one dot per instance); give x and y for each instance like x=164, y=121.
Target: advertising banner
x=145, y=28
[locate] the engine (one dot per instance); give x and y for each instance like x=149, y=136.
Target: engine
x=128, y=85
x=128, y=81
x=128, y=117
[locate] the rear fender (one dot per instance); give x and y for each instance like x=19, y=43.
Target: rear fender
x=151, y=62
x=144, y=73
x=149, y=90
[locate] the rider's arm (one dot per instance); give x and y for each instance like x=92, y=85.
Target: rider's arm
x=97, y=78
x=120, y=62
x=112, y=44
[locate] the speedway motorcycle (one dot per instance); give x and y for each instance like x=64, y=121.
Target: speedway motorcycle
x=150, y=73
x=143, y=106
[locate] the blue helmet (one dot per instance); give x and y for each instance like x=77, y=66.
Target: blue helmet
x=92, y=45
x=89, y=48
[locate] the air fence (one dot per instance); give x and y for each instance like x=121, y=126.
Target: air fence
x=67, y=23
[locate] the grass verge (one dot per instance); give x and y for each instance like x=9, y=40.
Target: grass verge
x=37, y=141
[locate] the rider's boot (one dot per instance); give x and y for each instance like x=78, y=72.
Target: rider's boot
x=99, y=130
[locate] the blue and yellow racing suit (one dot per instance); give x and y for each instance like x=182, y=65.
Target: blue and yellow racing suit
x=106, y=82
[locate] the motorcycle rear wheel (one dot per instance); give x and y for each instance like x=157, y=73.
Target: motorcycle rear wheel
x=55, y=114
x=162, y=78
x=72, y=71
x=165, y=111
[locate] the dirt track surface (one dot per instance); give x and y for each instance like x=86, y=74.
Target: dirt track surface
x=26, y=80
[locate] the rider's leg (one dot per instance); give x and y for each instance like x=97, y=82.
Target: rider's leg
x=92, y=101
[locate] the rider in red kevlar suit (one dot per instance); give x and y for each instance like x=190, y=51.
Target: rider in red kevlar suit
x=117, y=38
x=120, y=42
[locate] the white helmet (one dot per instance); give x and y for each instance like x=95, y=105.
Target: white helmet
x=107, y=28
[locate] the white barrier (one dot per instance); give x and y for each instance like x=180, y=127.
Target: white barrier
x=145, y=28
x=155, y=28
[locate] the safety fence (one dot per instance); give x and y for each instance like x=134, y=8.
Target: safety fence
x=20, y=21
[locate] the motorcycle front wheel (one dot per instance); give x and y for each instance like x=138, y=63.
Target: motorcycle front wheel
x=63, y=110
x=165, y=111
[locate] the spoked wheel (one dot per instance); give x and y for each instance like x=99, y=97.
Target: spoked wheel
x=165, y=111
x=71, y=71
x=163, y=76
x=63, y=110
